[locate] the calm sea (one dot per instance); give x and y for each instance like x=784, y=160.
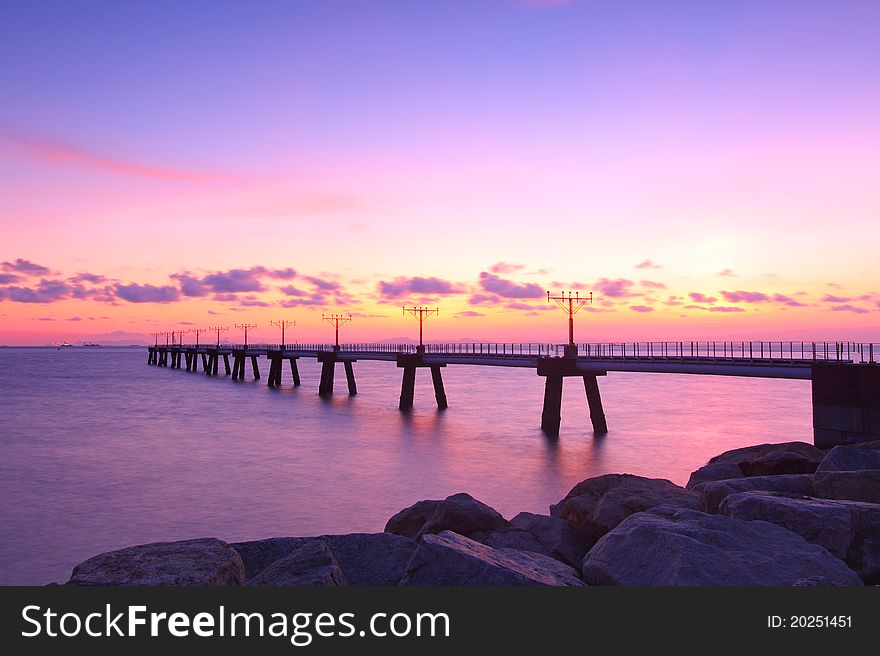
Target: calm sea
x=99, y=451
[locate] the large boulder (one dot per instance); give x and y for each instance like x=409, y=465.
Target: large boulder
x=409, y=521
x=595, y=506
x=452, y=559
x=202, y=562
x=760, y=460
x=555, y=536
x=460, y=513
x=675, y=546
x=371, y=558
x=311, y=565
x=853, y=485
x=716, y=491
x=848, y=529
x=257, y=555
x=851, y=458
x=365, y=558
x=510, y=537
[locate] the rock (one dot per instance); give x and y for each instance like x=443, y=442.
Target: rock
x=452, y=559
x=851, y=458
x=259, y=554
x=715, y=471
x=310, y=565
x=202, y=562
x=409, y=521
x=555, y=535
x=371, y=558
x=460, y=513
x=760, y=460
x=848, y=529
x=365, y=558
x=510, y=537
x=595, y=506
x=715, y=492
x=676, y=546
x=853, y=485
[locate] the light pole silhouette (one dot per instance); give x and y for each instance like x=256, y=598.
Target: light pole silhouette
x=218, y=330
x=283, y=323
x=245, y=327
x=570, y=304
x=197, y=332
x=156, y=336
x=335, y=320
x=422, y=313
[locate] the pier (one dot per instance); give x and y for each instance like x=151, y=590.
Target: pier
x=845, y=375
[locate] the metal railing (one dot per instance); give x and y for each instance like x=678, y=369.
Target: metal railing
x=798, y=351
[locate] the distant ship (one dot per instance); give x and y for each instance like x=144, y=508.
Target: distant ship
x=90, y=345
x=64, y=345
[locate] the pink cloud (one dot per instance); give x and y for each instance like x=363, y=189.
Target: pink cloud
x=641, y=308
x=403, y=286
x=647, y=264
x=741, y=296
x=697, y=297
x=509, y=289
x=506, y=267
x=52, y=151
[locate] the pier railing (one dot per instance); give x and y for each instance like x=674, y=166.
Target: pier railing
x=854, y=352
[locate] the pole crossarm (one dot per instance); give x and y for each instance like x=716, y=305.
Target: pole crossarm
x=335, y=320
x=218, y=330
x=570, y=303
x=421, y=313
x=197, y=332
x=245, y=327
x=283, y=324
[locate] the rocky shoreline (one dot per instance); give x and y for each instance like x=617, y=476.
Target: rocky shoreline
x=769, y=515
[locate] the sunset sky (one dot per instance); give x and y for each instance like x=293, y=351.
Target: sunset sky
x=710, y=170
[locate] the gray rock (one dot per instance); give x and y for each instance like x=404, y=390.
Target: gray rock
x=850, y=458
x=555, y=535
x=595, y=506
x=452, y=559
x=311, y=565
x=861, y=485
x=259, y=554
x=202, y=562
x=848, y=529
x=409, y=521
x=716, y=491
x=460, y=513
x=675, y=546
x=714, y=471
x=760, y=460
x=510, y=537
x=371, y=558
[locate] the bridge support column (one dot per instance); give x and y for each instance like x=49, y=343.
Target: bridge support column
x=275, y=363
x=555, y=371
x=237, y=366
x=149, y=356
x=255, y=367
x=294, y=372
x=188, y=358
x=205, y=363
x=846, y=404
x=328, y=367
x=551, y=417
x=408, y=387
x=349, y=377
x=226, y=362
x=439, y=391
x=215, y=362
x=594, y=400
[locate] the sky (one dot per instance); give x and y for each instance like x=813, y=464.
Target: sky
x=708, y=170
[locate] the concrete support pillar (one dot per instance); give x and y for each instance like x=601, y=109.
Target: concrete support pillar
x=846, y=404
x=188, y=357
x=205, y=363
x=275, y=371
x=349, y=377
x=439, y=391
x=594, y=400
x=294, y=372
x=215, y=362
x=237, y=367
x=255, y=367
x=327, y=371
x=226, y=362
x=408, y=387
x=551, y=417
